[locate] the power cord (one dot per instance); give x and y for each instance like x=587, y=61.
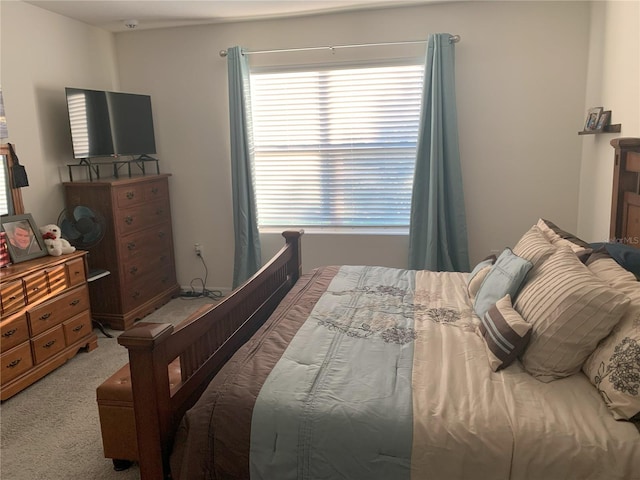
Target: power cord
x=204, y=292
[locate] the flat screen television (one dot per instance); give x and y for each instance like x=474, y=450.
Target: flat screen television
x=110, y=124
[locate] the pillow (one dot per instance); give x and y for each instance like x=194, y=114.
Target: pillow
x=505, y=333
x=570, y=310
x=559, y=237
x=627, y=256
x=534, y=246
x=477, y=275
x=504, y=277
x=614, y=367
x=607, y=269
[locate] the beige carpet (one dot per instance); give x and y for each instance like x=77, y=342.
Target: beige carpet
x=51, y=430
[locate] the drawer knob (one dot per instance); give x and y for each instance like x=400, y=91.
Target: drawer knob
x=78, y=328
x=10, y=332
x=12, y=297
x=14, y=363
x=45, y=316
x=135, y=294
x=159, y=212
x=161, y=234
x=130, y=195
x=49, y=344
x=131, y=245
x=133, y=270
x=128, y=219
x=154, y=190
x=73, y=303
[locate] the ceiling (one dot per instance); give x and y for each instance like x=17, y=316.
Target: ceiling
x=114, y=15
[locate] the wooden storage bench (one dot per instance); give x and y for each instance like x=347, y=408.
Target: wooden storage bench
x=115, y=407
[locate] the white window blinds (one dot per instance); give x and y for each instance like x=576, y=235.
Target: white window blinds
x=336, y=147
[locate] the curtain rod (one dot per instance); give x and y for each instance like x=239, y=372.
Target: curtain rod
x=452, y=39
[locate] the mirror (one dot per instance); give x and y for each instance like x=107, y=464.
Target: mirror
x=10, y=198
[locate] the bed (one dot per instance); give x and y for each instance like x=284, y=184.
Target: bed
x=528, y=367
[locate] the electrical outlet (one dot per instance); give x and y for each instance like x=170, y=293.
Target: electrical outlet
x=197, y=248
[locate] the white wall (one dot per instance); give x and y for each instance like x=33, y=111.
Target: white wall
x=41, y=54
x=520, y=86
x=613, y=83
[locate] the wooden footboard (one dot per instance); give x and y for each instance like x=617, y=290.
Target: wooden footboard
x=204, y=345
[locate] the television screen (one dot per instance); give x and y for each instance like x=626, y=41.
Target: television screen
x=107, y=124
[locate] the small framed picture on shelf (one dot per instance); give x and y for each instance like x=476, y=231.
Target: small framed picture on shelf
x=593, y=115
x=603, y=121
x=23, y=238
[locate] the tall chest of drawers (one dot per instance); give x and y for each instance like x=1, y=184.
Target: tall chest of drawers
x=137, y=247
x=46, y=318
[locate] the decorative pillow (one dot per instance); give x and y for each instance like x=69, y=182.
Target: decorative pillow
x=614, y=367
x=505, y=333
x=477, y=275
x=570, y=310
x=559, y=237
x=534, y=246
x=627, y=256
x=504, y=277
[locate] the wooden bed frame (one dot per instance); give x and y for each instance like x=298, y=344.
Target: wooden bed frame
x=625, y=204
x=204, y=345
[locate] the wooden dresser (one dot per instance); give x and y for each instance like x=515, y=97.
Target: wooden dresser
x=46, y=318
x=137, y=247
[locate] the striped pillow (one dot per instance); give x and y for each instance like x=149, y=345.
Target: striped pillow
x=505, y=333
x=534, y=246
x=570, y=310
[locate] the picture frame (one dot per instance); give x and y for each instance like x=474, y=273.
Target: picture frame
x=603, y=121
x=591, y=122
x=23, y=238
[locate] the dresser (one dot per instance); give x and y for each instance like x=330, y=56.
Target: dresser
x=46, y=318
x=137, y=247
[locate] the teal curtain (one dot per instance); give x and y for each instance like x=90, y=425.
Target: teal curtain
x=438, y=227
x=245, y=223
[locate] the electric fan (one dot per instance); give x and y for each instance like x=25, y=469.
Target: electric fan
x=83, y=227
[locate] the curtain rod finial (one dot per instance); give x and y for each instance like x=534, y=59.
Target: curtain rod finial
x=454, y=38
x=223, y=53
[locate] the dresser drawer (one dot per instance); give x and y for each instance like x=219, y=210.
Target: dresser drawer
x=15, y=362
x=12, y=295
x=77, y=327
x=142, y=216
x=57, y=279
x=129, y=195
x=156, y=190
x=47, y=344
x=58, y=310
x=152, y=240
x=146, y=265
x=142, y=289
x=36, y=286
x=75, y=272
x=13, y=332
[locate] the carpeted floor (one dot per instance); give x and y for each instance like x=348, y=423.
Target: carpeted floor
x=51, y=430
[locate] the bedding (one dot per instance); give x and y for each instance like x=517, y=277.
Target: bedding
x=379, y=373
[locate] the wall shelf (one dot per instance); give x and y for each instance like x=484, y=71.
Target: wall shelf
x=608, y=129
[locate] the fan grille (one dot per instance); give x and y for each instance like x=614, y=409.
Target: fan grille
x=82, y=227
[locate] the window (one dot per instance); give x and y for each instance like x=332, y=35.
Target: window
x=336, y=147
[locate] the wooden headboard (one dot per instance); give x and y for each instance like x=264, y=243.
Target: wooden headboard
x=625, y=205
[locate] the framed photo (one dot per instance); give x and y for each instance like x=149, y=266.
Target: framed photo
x=593, y=116
x=603, y=121
x=23, y=238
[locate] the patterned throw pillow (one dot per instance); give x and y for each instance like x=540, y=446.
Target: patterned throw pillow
x=614, y=367
x=505, y=333
x=534, y=246
x=505, y=277
x=570, y=310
